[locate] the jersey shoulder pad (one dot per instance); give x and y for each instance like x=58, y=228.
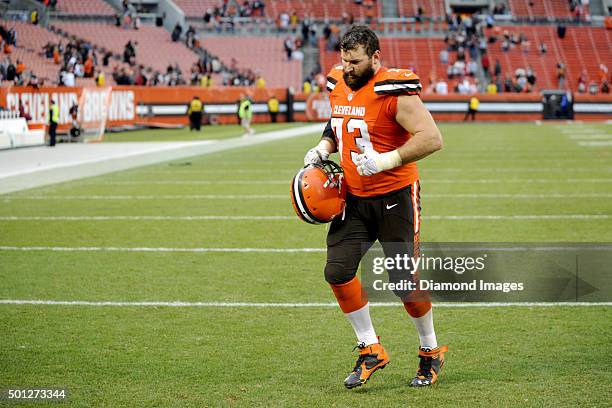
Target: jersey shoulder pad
x=398, y=82
x=334, y=76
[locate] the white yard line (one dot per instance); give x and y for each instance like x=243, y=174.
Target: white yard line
x=152, y=197
x=288, y=181
x=294, y=170
x=280, y=304
x=596, y=143
x=534, y=217
x=286, y=196
x=465, y=247
x=522, y=217
x=591, y=137
x=150, y=218
x=161, y=249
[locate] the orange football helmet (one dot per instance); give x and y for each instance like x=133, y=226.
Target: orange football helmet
x=318, y=193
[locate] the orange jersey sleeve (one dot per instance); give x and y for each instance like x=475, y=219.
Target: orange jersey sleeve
x=397, y=82
x=333, y=77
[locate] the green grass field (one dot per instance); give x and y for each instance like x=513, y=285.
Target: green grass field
x=545, y=183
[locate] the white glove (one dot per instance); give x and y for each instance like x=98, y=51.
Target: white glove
x=318, y=154
x=370, y=163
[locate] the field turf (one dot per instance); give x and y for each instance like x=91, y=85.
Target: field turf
x=490, y=183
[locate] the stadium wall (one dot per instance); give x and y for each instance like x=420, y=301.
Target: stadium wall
x=166, y=106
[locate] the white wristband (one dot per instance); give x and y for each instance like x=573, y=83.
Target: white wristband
x=388, y=160
x=325, y=145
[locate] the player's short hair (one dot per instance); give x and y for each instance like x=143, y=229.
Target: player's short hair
x=358, y=35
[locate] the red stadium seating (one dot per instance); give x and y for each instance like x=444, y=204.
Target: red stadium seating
x=85, y=7
x=196, y=8
x=431, y=8
x=419, y=54
x=542, y=8
x=322, y=9
x=30, y=41
x=319, y=9
x=583, y=48
x=155, y=49
x=264, y=54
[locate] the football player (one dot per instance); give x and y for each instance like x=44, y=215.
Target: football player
x=380, y=128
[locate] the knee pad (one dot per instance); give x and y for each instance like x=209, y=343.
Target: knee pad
x=337, y=273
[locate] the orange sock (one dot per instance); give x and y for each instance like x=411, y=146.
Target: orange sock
x=417, y=309
x=350, y=295
x=417, y=304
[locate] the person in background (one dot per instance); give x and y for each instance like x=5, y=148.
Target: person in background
x=53, y=122
x=88, y=66
x=561, y=75
x=22, y=112
x=273, y=106
x=195, y=113
x=245, y=112
x=75, y=129
x=472, y=108
x=261, y=82
x=100, y=79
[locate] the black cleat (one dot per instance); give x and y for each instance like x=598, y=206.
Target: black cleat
x=430, y=365
x=370, y=359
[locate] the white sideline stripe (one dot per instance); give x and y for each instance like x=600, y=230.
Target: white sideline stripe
x=150, y=197
x=286, y=197
x=521, y=217
x=144, y=249
x=427, y=181
x=190, y=182
x=149, y=218
x=116, y=155
x=552, y=195
x=292, y=217
x=50, y=169
x=559, y=247
x=287, y=305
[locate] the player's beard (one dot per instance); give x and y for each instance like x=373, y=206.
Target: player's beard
x=356, y=82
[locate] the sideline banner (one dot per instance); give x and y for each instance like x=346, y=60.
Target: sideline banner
x=167, y=106
x=94, y=104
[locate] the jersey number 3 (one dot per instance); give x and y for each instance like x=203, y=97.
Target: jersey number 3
x=355, y=128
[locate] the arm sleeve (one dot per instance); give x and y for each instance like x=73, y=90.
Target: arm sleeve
x=328, y=134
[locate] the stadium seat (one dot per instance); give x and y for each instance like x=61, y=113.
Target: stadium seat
x=85, y=7
x=582, y=49
x=419, y=54
x=316, y=8
x=541, y=9
x=30, y=42
x=431, y=8
x=264, y=54
x=196, y=8
x=155, y=48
